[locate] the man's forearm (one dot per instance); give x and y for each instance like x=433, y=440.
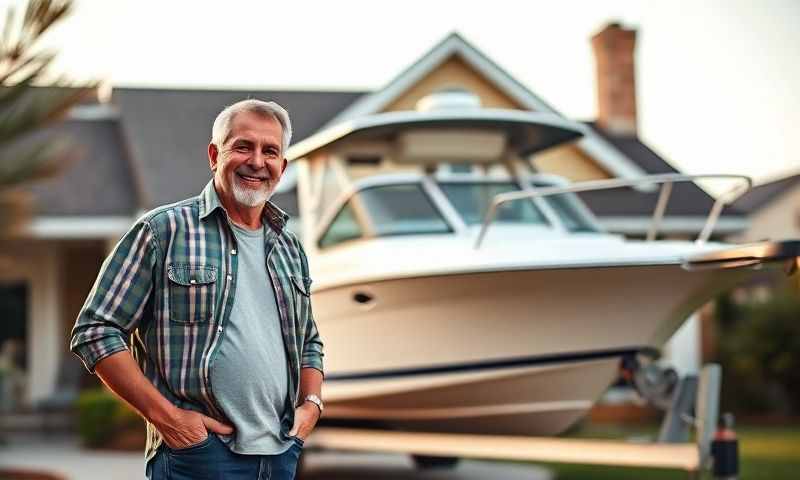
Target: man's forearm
x=307, y=413
x=123, y=376
x=310, y=382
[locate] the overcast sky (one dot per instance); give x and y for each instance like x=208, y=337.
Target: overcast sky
x=718, y=80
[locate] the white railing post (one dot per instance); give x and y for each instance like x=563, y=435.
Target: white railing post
x=716, y=210
x=658, y=214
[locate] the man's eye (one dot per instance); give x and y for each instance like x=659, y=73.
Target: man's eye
x=241, y=148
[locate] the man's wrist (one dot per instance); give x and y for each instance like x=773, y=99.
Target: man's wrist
x=312, y=398
x=160, y=412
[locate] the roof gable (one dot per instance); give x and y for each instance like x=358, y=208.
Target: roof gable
x=609, y=158
x=451, y=45
x=454, y=74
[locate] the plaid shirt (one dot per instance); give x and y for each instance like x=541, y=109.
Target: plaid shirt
x=166, y=293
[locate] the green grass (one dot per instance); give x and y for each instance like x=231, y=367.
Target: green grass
x=771, y=453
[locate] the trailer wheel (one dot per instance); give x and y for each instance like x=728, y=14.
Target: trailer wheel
x=423, y=462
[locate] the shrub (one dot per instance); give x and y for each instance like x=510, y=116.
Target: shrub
x=101, y=416
x=759, y=349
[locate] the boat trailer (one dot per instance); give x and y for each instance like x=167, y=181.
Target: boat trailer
x=695, y=405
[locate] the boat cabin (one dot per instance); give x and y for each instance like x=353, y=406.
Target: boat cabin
x=434, y=170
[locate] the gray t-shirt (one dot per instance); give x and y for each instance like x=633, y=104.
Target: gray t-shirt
x=249, y=376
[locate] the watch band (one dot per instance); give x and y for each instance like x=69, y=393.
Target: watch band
x=315, y=400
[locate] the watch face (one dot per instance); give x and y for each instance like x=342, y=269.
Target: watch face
x=315, y=400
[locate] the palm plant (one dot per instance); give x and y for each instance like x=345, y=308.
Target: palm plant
x=26, y=107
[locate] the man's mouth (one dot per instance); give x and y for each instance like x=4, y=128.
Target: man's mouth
x=251, y=179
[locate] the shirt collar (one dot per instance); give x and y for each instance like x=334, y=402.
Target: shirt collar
x=271, y=214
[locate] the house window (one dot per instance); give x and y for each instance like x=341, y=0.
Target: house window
x=364, y=161
x=13, y=358
x=13, y=311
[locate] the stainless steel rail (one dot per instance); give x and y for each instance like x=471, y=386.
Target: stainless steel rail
x=665, y=179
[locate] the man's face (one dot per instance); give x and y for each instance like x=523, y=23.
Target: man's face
x=250, y=162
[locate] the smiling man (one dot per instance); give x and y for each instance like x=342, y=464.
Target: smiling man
x=201, y=318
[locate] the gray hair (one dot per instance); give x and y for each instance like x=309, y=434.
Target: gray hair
x=222, y=125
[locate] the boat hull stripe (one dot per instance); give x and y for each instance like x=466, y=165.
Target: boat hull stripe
x=534, y=360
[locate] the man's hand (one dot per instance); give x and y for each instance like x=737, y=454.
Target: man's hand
x=180, y=428
x=184, y=428
x=305, y=418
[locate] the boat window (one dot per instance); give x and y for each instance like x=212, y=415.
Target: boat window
x=472, y=200
x=566, y=207
x=401, y=209
x=457, y=168
x=391, y=210
x=344, y=227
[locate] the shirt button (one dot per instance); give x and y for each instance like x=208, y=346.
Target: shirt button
x=233, y=251
x=230, y=277
x=193, y=281
x=219, y=329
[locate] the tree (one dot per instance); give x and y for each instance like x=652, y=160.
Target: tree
x=26, y=107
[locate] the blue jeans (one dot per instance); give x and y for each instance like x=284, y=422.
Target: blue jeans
x=212, y=460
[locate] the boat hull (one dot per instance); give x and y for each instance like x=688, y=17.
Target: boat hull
x=527, y=351
x=511, y=401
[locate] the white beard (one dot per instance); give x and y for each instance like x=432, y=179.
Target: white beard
x=250, y=197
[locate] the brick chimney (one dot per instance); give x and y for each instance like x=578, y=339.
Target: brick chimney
x=616, y=83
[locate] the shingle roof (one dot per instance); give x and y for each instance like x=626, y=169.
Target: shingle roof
x=99, y=180
x=168, y=131
x=761, y=195
x=687, y=198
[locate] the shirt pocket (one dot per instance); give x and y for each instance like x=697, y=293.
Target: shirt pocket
x=192, y=289
x=301, y=286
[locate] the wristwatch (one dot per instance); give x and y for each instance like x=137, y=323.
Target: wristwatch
x=315, y=400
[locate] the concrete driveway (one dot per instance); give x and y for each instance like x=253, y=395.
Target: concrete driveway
x=63, y=454
x=357, y=466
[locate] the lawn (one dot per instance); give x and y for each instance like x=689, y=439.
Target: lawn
x=771, y=453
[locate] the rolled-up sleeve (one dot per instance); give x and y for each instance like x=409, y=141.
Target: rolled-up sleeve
x=312, y=344
x=312, y=347
x=118, y=298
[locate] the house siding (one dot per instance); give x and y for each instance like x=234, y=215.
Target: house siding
x=568, y=161
x=454, y=73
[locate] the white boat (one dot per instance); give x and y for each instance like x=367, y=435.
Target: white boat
x=486, y=301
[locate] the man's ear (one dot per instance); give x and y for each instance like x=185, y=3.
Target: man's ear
x=213, y=153
x=285, y=163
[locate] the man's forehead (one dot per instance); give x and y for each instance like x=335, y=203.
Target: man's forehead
x=254, y=126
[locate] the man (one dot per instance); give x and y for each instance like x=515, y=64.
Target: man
x=212, y=295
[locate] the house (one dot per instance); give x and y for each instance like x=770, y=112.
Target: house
x=146, y=147
x=773, y=210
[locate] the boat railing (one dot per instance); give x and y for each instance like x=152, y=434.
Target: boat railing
x=666, y=180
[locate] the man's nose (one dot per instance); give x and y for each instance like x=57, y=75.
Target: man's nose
x=257, y=160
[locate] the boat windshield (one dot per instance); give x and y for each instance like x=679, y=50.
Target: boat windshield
x=471, y=200
x=385, y=210
x=406, y=209
x=569, y=209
